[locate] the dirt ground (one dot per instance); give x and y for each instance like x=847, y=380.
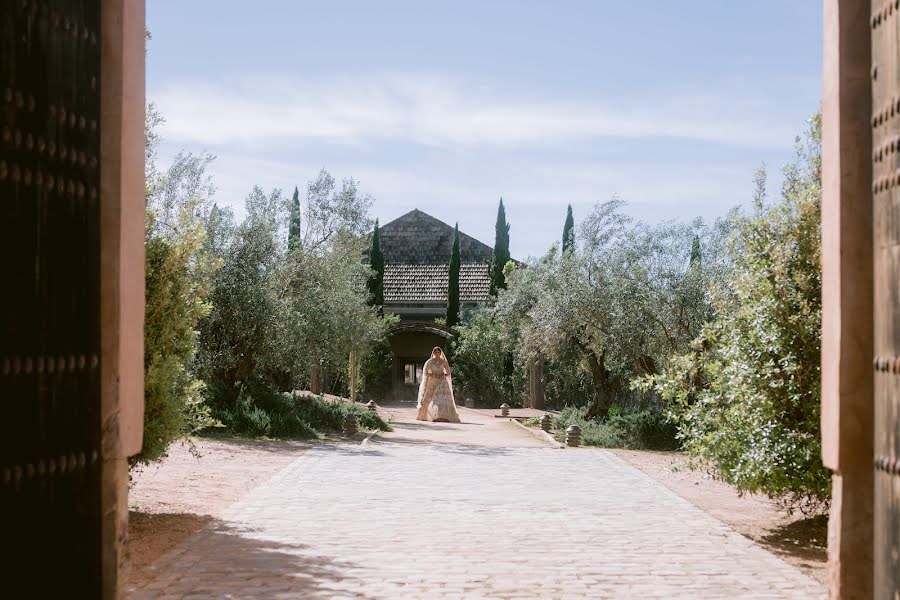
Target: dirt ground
x=799, y=541
x=172, y=500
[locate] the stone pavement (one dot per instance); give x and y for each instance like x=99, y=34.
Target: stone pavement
x=476, y=510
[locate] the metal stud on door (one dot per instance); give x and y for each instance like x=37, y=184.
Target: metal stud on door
x=50, y=304
x=885, y=24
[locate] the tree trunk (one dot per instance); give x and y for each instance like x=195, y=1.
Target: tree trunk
x=354, y=374
x=509, y=369
x=315, y=383
x=536, y=390
x=603, y=389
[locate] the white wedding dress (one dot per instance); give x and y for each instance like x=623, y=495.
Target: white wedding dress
x=435, y=401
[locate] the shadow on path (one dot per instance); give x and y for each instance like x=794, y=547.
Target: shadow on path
x=804, y=539
x=222, y=560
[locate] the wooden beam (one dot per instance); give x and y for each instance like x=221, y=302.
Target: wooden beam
x=122, y=269
x=847, y=309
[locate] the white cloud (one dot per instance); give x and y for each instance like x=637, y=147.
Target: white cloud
x=535, y=192
x=443, y=112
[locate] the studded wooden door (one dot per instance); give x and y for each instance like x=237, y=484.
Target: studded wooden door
x=50, y=501
x=886, y=212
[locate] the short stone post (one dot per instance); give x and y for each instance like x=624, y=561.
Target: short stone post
x=350, y=425
x=504, y=409
x=546, y=422
x=573, y=436
x=470, y=403
x=372, y=406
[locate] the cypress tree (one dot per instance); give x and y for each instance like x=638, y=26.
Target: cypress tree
x=294, y=223
x=501, y=251
x=376, y=263
x=696, y=256
x=568, y=238
x=453, y=282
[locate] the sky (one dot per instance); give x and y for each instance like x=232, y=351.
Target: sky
x=449, y=106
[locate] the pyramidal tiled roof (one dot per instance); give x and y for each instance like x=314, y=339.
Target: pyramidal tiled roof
x=417, y=238
x=416, y=261
x=428, y=283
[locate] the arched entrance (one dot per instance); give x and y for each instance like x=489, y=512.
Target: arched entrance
x=411, y=345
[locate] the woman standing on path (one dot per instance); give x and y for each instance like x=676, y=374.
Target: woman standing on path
x=435, y=401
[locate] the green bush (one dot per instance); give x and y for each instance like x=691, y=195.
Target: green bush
x=255, y=409
x=481, y=362
x=747, y=398
x=375, y=370
x=177, y=283
x=638, y=430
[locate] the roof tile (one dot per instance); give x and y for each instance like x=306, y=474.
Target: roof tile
x=404, y=283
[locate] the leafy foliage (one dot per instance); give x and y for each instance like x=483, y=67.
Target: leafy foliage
x=568, y=236
x=376, y=264
x=747, y=396
x=638, y=430
x=618, y=305
x=284, y=307
x=296, y=222
x=453, y=281
x=479, y=360
x=501, y=254
x=179, y=273
x=375, y=369
x=259, y=411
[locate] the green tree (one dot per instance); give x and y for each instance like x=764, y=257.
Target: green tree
x=453, y=281
x=747, y=396
x=501, y=251
x=179, y=272
x=625, y=302
x=376, y=366
x=376, y=264
x=696, y=254
x=568, y=237
x=239, y=337
x=479, y=359
x=294, y=226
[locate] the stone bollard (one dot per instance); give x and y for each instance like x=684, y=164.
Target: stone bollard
x=573, y=436
x=350, y=425
x=470, y=403
x=372, y=406
x=504, y=409
x=546, y=422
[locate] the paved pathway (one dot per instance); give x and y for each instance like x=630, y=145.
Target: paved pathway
x=476, y=510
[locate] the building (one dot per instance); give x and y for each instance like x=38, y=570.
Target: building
x=416, y=267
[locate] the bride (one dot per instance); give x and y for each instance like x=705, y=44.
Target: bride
x=436, y=391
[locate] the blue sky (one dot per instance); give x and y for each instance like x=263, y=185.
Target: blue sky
x=447, y=106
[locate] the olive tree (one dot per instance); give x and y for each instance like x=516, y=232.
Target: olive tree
x=746, y=396
x=625, y=299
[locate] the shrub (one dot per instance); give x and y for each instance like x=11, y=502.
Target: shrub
x=638, y=430
x=747, y=399
x=375, y=371
x=178, y=278
x=177, y=282
x=480, y=361
x=256, y=409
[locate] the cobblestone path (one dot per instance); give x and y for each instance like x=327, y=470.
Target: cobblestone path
x=431, y=512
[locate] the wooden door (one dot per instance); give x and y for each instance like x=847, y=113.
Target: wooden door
x=886, y=212
x=50, y=470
